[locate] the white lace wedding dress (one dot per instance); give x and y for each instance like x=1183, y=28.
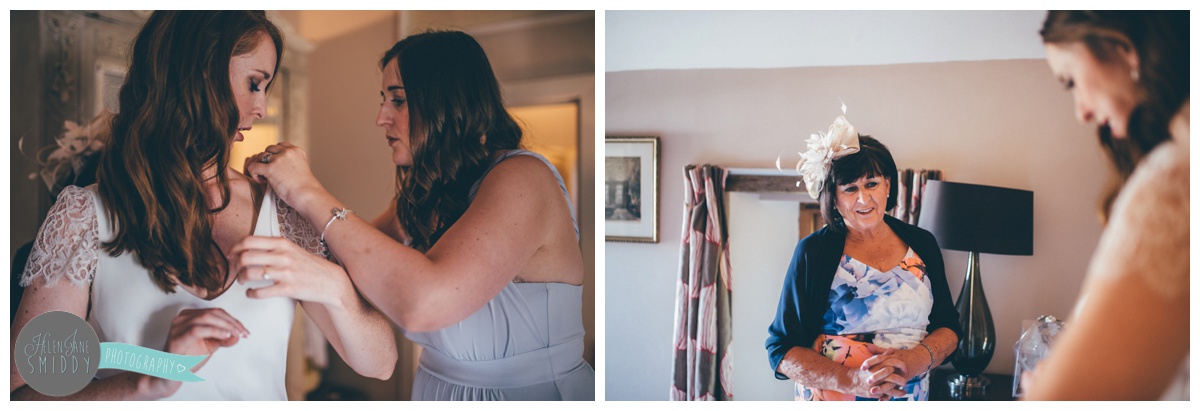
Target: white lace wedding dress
x=126, y=306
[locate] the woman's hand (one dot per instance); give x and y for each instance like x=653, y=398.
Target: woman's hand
x=292, y=271
x=885, y=376
x=194, y=332
x=359, y=333
x=880, y=382
x=285, y=167
x=906, y=362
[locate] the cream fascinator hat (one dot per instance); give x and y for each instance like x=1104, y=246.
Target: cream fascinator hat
x=839, y=141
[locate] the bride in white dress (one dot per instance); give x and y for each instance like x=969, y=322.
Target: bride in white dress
x=144, y=255
x=1128, y=337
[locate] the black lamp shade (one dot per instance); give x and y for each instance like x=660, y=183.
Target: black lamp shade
x=984, y=219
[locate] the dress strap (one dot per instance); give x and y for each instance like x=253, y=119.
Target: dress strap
x=268, y=215
x=561, y=185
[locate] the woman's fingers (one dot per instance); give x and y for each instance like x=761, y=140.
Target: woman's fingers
x=228, y=319
x=295, y=272
x=896, y=378
x=254, y=252
x=202, y=331
x=878, y=357
x=255, y=168
x=277, y=290
x=255, y=265
x=279, y=147
x=871, y=362
x=898, y=366
x=275, y=258
x=878, y=374
x=211, y=332
x=888, y=390
x=894, y=390
x=259, y=243
x=886, y=374
x=215, y=317
x=248, y=274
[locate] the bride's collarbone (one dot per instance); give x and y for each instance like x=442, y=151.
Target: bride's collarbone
x=237, y=220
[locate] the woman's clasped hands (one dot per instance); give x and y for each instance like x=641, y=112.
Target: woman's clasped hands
x=882, y=376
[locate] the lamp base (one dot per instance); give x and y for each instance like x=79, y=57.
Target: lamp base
x=968, y=387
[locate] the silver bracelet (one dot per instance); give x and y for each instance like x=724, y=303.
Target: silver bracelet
x=931, y=360
x=338, y=214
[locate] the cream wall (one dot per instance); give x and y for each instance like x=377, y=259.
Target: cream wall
x=1000, y=122
x=349, y=154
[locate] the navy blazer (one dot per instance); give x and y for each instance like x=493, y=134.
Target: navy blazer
x=805, y=296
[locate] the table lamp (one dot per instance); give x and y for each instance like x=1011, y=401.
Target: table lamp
x=976, y=219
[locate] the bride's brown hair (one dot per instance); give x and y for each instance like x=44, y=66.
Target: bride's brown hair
x=457, y=122
x=1161, y=41
x=177, y=118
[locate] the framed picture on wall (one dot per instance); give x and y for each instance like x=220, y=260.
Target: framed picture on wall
x=631, y=189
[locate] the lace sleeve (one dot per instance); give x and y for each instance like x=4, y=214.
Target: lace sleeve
x=294, y=227
x=67, y=244
x=1147, y=235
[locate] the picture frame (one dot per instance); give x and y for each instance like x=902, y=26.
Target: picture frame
x=631, y=189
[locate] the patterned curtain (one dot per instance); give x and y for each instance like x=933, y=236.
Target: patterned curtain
x=703, y=332
x=911, y=190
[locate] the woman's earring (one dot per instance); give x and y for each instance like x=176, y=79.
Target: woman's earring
x=1134, y=75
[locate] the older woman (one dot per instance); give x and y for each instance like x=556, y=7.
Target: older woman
x=1129, y=73
x=865, y=311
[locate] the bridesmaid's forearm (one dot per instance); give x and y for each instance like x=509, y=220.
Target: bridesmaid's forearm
x=315, y=206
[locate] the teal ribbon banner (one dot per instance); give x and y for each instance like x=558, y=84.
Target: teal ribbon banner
x=155, y=363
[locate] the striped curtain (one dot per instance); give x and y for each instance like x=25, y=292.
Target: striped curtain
x=703, y=332
x=911, y=190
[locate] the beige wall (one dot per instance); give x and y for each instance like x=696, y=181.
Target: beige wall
x=1005, y=123
x=349, y=154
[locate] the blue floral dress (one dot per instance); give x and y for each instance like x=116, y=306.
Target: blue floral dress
x=870, y=311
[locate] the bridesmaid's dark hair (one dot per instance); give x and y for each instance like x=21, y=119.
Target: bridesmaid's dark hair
x=457, y=122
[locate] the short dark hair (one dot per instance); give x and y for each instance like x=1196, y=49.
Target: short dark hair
x=872, y=159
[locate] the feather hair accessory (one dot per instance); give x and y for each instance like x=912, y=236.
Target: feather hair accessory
x=839, y=141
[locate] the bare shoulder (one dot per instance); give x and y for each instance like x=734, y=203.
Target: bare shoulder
x=520, y=175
